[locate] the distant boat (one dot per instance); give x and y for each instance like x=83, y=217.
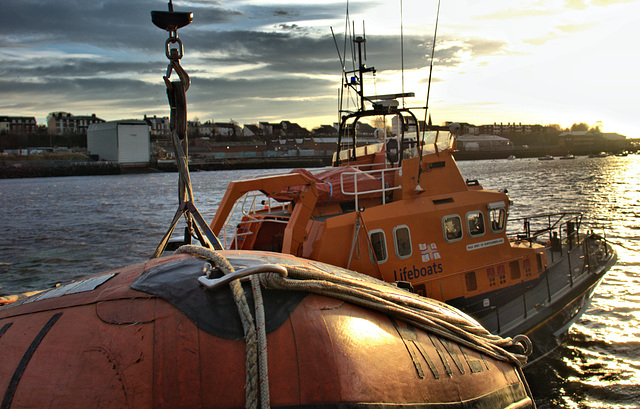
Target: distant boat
x=568, y=156
x=599, y=155
x=546, y=157
x=512, y=157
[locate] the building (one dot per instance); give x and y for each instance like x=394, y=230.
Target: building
x=251, y=131
x=124, y=142
x=293, y=130
x=158, y=127
x=509, y=129
x=18, y=125
x=582, y=142
x=614, y=142
x=409, y=125
x=483, y=143
x=325, y=131
x=64, y=123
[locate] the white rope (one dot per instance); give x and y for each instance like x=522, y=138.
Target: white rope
x=262, y=343
x=427, y=315
x=252, y=376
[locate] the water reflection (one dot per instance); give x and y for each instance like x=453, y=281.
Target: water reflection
x=600, y=365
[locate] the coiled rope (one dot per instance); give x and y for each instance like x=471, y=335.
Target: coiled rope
x=429, y=315
x=426, y=314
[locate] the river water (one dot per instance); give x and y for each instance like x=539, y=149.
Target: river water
x=55, y=230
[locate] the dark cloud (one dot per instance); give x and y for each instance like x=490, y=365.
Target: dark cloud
x=286, y=13
x=96, y=55
x=225, y=89
x=110, y=24
x=43, y=69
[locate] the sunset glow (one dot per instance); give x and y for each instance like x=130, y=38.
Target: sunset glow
x=549, y=61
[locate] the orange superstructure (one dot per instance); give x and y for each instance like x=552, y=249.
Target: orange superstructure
x=445, y=236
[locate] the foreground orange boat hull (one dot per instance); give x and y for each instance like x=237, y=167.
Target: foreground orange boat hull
x=113, y=346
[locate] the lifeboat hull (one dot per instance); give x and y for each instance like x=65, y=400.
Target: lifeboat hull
x=101, y=343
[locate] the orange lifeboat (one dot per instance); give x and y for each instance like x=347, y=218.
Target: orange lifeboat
x=167, y=334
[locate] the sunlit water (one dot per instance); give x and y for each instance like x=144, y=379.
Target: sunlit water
x=55, y=230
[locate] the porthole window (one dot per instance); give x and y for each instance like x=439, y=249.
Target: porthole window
x=475, y=223
x=379, y=244
x=452, y=227
x=402, y=241
x=497, y=218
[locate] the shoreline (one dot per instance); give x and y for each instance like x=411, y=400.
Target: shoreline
x=55, y=168
x=16, y=169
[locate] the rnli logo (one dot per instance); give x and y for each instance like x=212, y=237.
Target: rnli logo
x=429, y=252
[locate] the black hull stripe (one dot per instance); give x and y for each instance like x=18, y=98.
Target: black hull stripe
x=17, y=375
x=4, y=329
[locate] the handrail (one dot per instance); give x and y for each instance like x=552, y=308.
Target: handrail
x=581, y=250
x=571, y=221
x=384, y=189
x=304, y=203
x=247, y=206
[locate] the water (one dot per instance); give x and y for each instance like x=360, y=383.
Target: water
x=55, y=230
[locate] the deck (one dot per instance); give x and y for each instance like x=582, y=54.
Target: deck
x=554, y=302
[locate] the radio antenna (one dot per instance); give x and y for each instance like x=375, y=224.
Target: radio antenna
x=402, y=51
x=364, y=36
x=433, y=49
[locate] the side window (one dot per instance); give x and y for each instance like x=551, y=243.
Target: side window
x=497, y=218
x=379, y=245
x=402, y=241
x=475, y=223
x=452, y=227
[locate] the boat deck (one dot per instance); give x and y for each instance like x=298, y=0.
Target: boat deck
x=566, y=280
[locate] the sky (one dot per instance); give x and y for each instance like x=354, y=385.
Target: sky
x=530, y=62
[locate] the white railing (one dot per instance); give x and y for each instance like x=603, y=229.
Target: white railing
x=252, y=202
x=246, y=208
x=358, y=193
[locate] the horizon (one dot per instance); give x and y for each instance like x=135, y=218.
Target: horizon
x=248, y=61
x=200, y=121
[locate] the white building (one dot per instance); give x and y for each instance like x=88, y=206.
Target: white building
x=125, y=142
x=483, y=142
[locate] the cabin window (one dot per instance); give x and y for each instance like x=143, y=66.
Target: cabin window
x=514, y=266
x=497, y=218
x=475, y=223
x=402, y=241
x=470, y=279
x=452, y=227
x=379, y=244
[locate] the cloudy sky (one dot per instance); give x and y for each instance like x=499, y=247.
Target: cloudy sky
x=534, y=61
